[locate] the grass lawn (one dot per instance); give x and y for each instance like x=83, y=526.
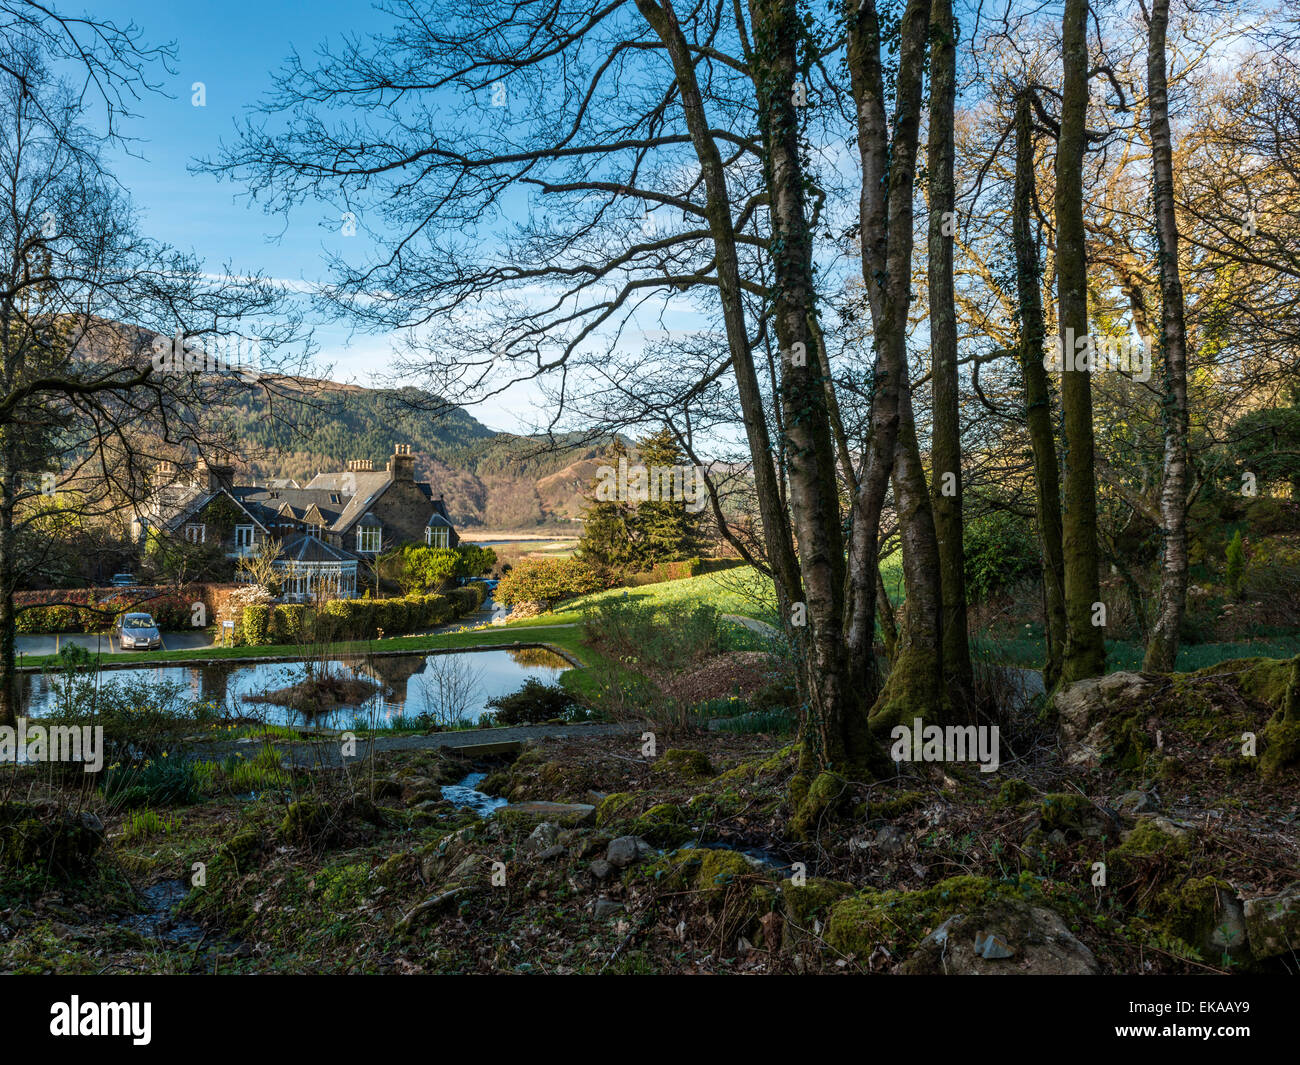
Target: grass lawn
x=1127, y=654
x=567, y=638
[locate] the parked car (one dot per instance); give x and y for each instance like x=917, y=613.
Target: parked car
x=137, y=632
x=123, y=580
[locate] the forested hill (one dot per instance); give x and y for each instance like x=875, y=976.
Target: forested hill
x=497, y=480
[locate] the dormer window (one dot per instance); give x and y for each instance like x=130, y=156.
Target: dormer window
x=437, y=536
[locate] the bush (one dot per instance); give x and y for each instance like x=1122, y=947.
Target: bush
x=533, y=702
x=548, y=580
x=288, y=623
x=355, y=619
x=670, y=635
x=1000, y=551
x=143, y=721
x=257, y=624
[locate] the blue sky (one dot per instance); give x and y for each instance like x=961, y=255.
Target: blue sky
x=232, y=47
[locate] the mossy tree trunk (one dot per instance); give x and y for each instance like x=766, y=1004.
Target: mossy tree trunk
x=1162, y=647
x=809, y=583
x=833, y=732
x=946, y=475
x=1038, y=396
x=1085, y=648
x=914, y=686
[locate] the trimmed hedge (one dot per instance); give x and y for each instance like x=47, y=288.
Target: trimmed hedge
x=61, y=610
x=355, y=619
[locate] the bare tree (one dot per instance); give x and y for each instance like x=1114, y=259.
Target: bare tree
x=84, y=395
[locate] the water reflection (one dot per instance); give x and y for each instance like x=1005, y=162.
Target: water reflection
x=447, y=688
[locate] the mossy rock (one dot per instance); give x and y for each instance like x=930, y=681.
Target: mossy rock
x=664, y=825
x=748, y=772
x=1148, y=850
x=810, y=902
x=725, y=881
x=685, y=764
x=613, y=807
x=1273, y=923
x=1014, y=791
x=495, y=783
x=242, y=847
x=1075, y=815
x=397, y=869
x=306, y=822
x=899, y=920
x=1205, y=914
x=705, y=869
x=888, y=809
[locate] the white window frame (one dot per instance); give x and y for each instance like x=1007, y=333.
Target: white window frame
x=196, y=534
x=437, y=532
x=245, y=536
x=366, y=533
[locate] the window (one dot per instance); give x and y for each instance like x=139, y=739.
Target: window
x=437, y=535
x=369, y=539
x=243, y=536
x=195, y=534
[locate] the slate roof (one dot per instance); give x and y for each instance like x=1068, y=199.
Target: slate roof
x=304, y=547
x=341, y=498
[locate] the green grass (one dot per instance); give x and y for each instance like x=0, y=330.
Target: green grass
x=1124, y=655
x=741, y=590
x=566, y=638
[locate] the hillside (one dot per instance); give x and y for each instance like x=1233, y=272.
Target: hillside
x=490, y=479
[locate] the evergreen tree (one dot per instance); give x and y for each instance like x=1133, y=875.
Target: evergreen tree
x=669, y=531
x=648, y=519
x=608, y=525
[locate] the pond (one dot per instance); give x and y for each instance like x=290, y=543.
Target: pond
x=445, y=688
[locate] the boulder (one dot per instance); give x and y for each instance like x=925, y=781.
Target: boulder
x=1086, y=707
x=626, y=851
x=561, y=813
x=1273, y=922
x=1006, y=938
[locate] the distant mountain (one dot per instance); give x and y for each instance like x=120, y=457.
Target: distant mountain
x=491, y=480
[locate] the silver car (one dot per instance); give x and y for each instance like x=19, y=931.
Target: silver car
x=137, y=632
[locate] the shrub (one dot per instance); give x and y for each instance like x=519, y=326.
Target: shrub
x=533, y=702
x=1000, y=550
x=548, y=580
x=669, y=635
x=288, y=623
x=257, y=624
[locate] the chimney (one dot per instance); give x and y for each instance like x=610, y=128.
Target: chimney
x=360, y=465
x=214, y=476
x=401, y=467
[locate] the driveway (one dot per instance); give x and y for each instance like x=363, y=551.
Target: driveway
x=97, y=644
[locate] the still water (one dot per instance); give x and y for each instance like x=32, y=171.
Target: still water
x=450, y=687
